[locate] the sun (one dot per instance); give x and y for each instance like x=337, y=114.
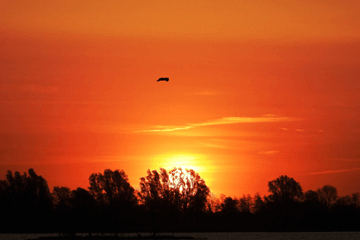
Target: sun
x=185, y=161
x=181, y=179
x=200, y=163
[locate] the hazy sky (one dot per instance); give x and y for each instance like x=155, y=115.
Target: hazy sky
x=257, y=89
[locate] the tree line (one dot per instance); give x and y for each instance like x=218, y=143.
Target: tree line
x=168, y=201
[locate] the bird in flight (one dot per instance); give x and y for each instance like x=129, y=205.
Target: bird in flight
x=163, y=79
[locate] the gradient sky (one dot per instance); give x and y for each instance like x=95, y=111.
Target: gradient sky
x=257, y=89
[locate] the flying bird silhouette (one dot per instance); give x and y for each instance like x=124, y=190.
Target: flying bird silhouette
x=163, y=79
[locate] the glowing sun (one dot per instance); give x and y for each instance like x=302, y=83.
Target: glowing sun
x=185, y=161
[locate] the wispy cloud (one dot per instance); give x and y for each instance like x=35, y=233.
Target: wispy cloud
x=233, y=120
x=333, y=171
x=169, y=129
x=223, y=143
x=221, y=121
x=212, y=145
x=268, y=152
x=300, y=130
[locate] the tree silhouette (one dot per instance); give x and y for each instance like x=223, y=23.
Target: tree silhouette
x=312, y=202
x=258, y=204
x=192, y=188
x=313, y=210
x=284, y=189
x=175, y=200
x=213, y=203
x=83, y=204
x=25, y=195
x=344, y=200
x=115, y=197
x=180, y=194
x=311, y=196
x=355, y=198
x=327, y=195
x=245, y=203
x=63, y=208
x=112, y=187
x=61, y=196
x=230, y=206
x=158, y=198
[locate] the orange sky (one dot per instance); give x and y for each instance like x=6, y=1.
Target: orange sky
x=257, y=89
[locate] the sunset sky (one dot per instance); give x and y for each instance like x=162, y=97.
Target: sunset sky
x=257, y=89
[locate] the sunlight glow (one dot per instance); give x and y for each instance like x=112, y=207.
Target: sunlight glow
x=181, y=180
x=185, y=161
x=200, y=163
